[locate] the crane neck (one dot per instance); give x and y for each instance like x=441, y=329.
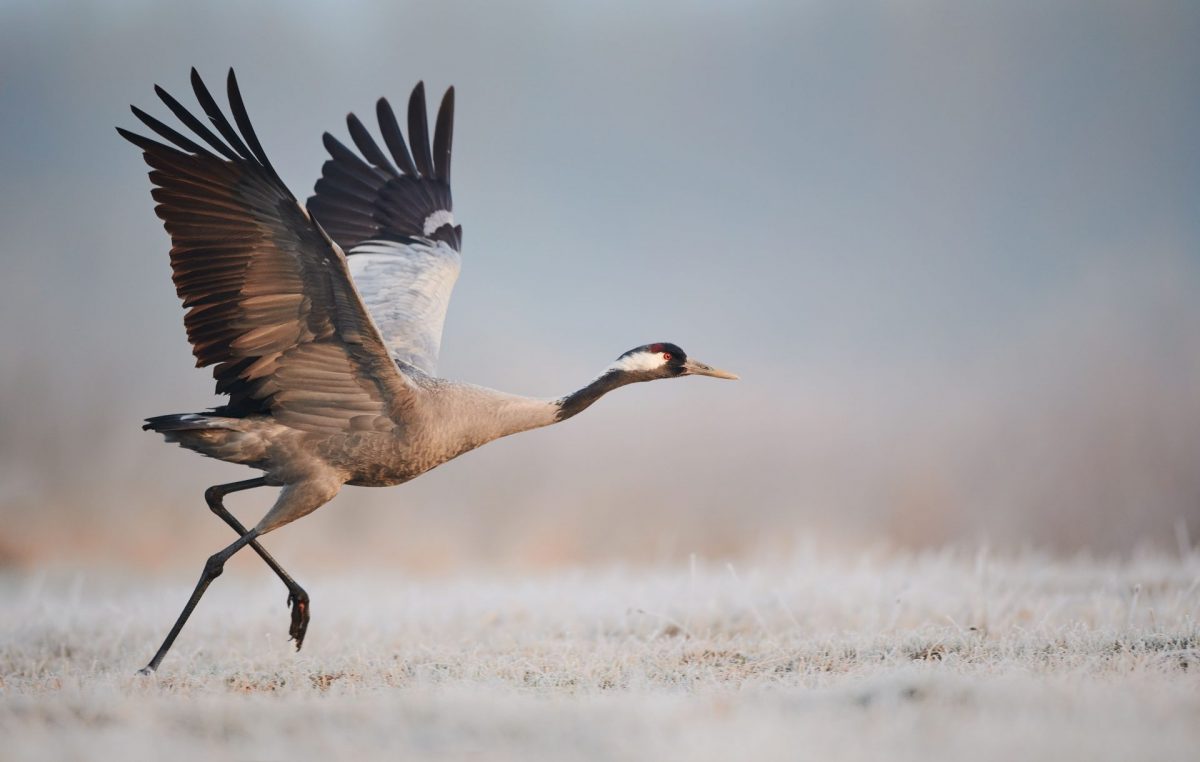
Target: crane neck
x=474, y=415
x=578, y=401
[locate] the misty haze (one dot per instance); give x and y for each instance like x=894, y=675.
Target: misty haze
x=953, y=251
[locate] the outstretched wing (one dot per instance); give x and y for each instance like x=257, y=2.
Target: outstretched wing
x=269, y=298
x=395, y=222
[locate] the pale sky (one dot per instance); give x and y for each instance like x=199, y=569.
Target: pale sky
x=940, y=242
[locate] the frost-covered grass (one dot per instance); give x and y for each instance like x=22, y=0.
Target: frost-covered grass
x=937, y=655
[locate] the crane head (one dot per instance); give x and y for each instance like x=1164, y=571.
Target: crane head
x=663, y=360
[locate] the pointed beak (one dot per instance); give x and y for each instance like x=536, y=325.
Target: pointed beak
x=695, y=368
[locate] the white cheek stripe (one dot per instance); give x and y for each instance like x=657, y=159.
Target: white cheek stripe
x=436, y=220
x=639, y=361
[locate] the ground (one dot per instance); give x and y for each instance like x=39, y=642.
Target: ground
x=817, y=656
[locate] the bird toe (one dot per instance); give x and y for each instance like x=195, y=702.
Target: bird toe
x=300, y=615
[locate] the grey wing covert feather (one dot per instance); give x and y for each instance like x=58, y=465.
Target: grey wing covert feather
x=406, y=287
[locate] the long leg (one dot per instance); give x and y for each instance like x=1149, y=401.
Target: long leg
x=297, y=598
x=212, y=569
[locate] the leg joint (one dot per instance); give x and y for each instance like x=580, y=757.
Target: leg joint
x=214, y=566
x=213, y=496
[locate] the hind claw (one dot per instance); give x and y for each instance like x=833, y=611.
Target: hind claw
x=300, y=613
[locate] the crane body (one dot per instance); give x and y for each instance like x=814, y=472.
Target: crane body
x=323, y=321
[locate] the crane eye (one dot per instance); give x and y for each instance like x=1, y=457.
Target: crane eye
x=666, y=355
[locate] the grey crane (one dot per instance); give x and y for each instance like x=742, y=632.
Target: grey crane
x=323, y=324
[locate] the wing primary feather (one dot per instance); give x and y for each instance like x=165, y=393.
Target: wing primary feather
x=242, y=117
x=169, y=134
x=341, y=153
x=370, y=149
x=268, y=297
x=194, y=124
x=142, y=142
x=217, y=117
x=393, y=137
x=418, y=130
x=443, y=137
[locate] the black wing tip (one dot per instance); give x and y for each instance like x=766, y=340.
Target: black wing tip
x=198, y=81
x=443, y=137
x=416, y=105
x=447, y=105
x=367, y=145
x=416, y=101
x=395, y=208
x=238, y=144
x=132, y=137
x=332, y=144
x=389, y=126
x=166, y=97
x=146, y=119
x=147, y=145
x=418, y=131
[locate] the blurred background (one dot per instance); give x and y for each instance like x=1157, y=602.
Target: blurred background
x=952, y=248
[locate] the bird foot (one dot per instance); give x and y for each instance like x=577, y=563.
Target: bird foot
x=146, y=671
x=298, y=602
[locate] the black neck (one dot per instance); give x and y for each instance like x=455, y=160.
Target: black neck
x=576, y=402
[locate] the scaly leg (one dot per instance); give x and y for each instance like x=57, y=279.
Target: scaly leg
x=297, y=598
x=212, y=569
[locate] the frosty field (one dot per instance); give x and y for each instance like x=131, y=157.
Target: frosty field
x=817, y=656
